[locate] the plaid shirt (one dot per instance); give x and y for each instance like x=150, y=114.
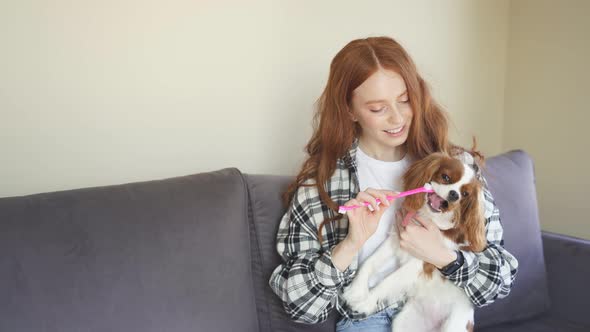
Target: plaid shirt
x=307, y=281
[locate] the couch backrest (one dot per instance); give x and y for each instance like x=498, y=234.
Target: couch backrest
x=266, y=210
x=167, y=255
x=182, y=254
x=511, y=180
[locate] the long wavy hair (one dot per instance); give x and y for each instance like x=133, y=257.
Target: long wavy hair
x=333, y=129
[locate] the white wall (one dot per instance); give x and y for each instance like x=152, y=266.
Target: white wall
x=104, y=92
x=546, y=111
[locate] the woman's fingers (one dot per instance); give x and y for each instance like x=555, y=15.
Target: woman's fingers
x=353, y=202
x=370, y=196
x=366, y=197
x=364, y=221
x=380, y=194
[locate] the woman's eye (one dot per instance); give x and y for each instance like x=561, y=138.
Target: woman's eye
x=405, y=101
x=379, y=110
x=446, y=178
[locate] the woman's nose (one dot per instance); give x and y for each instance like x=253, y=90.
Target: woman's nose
x=395, y=116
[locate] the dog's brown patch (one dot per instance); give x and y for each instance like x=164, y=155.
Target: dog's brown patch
x=454, y=234
x=428, y=269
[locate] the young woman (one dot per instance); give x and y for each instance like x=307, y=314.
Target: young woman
x=375, y=117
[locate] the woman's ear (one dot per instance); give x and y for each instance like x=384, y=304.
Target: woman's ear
x=351, y=114
x=417, y=175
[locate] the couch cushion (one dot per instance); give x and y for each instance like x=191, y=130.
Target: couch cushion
x=167, y=255
x=266, y=211
x=568, y=291
x=511, y=180
x=542, y=323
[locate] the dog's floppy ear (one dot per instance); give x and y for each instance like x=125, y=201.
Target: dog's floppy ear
x=473, y=216
x=417, y=175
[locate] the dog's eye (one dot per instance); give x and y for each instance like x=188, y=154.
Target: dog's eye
x=446, y=178
x=465, y=194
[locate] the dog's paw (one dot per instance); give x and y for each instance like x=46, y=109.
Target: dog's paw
x=368, y=305
x=359, y=299
x=354, y=294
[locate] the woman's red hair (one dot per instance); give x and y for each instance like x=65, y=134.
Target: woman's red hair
x=333, y=129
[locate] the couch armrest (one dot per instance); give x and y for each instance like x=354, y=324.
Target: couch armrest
x=568, y=267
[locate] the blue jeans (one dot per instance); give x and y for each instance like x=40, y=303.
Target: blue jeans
x=378, y=322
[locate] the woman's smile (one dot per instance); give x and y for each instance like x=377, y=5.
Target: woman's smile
x=395, y=132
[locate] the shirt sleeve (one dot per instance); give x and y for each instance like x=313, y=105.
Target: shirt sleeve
x=307, y=281
x=487, y=275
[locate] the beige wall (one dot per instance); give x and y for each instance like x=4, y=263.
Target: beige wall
x=104, y=92
x=546, y=110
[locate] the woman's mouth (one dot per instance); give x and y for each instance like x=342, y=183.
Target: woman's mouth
x=395, y=132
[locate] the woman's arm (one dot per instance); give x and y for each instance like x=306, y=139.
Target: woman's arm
x=307, y=281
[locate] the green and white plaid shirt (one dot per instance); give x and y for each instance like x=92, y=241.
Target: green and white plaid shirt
x=307, y=281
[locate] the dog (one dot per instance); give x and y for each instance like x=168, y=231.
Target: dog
x=456, y=207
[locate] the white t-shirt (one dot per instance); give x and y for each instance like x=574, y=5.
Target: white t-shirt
x=378, y=174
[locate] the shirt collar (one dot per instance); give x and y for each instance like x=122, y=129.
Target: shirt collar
x=350, y=157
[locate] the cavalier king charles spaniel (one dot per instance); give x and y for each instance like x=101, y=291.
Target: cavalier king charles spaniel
x=433, y=303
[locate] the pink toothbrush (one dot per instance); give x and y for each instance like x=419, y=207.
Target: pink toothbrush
x=426, y=189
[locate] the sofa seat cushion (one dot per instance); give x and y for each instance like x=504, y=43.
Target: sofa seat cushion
x=543, y=323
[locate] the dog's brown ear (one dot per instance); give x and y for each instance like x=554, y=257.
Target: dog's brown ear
x=417, y=175
x=473, y=216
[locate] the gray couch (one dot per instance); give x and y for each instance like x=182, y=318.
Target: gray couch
x=194, y=253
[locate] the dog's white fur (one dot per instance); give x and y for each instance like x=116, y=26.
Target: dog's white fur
x=433, y=304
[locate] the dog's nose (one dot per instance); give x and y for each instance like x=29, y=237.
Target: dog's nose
x=453, y=196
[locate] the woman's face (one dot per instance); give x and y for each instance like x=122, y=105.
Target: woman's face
x=381, y=107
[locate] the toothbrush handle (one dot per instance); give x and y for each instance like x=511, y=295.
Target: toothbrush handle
x=342, y=208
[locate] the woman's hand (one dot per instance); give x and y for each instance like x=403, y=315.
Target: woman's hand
x=363, y=221
x=425, y=241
